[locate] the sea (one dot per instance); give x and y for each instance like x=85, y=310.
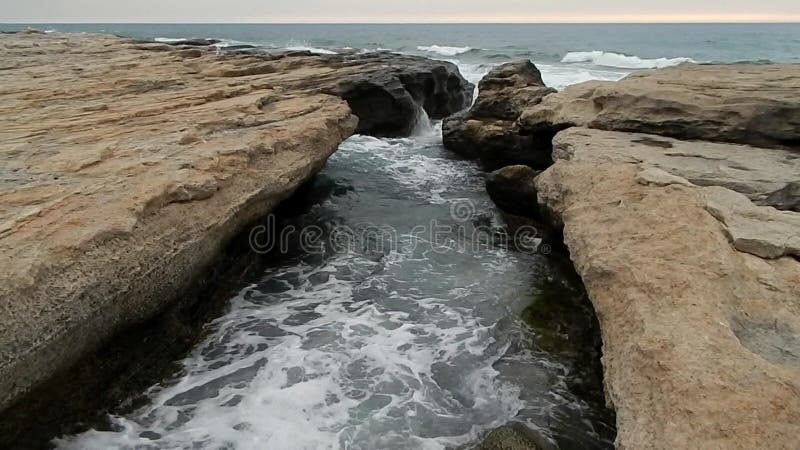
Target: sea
x=566, y=53
x=429, y=341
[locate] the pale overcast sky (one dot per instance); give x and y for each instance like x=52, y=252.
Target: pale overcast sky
x=260, y=11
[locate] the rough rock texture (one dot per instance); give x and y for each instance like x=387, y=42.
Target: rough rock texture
x=764, y=232
x=755, y=172
x=514, y=436
x=127, y=167
x=701, y=341
x=747, y=104
x=489, y=130
x=787, y=197
x=388, y=101
x=512, y=189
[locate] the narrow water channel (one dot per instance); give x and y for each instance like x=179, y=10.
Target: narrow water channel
x=395, y=316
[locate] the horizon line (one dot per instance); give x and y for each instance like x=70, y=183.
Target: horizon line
x=623, y=22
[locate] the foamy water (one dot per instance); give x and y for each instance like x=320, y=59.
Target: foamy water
x=415, y=345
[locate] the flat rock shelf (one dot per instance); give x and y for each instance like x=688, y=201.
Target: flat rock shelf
x=128, y=166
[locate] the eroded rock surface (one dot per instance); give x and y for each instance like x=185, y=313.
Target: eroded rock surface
x=701, y=345
x=127, y=166
x=747, y=104
x=755, y=172
x=489, y=130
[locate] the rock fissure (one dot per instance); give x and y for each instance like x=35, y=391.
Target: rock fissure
x=676, y=191
x=158, y=180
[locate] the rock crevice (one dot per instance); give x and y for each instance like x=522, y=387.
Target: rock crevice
x=128, y=166
x=677, y=194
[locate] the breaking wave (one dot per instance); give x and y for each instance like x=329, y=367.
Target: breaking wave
x=609, y=59
x=444, y=50
x=300, y=48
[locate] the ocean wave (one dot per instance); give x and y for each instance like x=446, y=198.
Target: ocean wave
x=301, y=48
x=166, y=40
x=559, y=77
x=609, y=59
x=444, y=50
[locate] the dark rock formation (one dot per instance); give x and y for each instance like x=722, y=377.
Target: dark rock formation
x=512, y=189
x=388, y=101
x=489, y=130
x=787, y=199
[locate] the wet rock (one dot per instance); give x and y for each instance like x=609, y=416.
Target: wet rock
x=514, y=436
x=746, y=104
x=489, y=131
x=512, y=188
x=388, y=102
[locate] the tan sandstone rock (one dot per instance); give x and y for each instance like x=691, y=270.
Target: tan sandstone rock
x=701, y=341
x=128, y=166
x=741, y=103
x=489, y=130
x=752, y=171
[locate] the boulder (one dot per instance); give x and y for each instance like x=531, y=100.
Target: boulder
x=512, y=189
x=489, y=131
x=741, y=103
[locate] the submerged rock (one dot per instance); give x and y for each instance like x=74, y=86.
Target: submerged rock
x=746, y=104
x=489, y=131
x=514, y=436
x=128, y=167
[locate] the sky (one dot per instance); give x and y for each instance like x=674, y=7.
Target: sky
x=396, y=11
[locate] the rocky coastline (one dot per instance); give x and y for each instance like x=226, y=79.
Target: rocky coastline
x=129, y=167
x=676, y=193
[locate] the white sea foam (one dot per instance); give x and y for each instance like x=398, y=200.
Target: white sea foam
x=300, y=48
x=444, y=50
x=559, y=76
x=167, y=40
x=609, y=59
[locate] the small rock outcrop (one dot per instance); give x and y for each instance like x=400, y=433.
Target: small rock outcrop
x=512, y=189
x=388, y=101
x=746, y=104
x=128, y=166
x=514, y=436
x=489, y=130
